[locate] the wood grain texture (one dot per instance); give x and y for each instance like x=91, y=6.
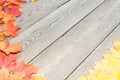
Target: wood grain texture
x=88, y=64
x=40, y=35
x=61, y=58
x=33, y=12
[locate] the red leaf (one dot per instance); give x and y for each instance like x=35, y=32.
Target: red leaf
x=13, y=10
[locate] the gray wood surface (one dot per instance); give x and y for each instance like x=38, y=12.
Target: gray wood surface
x=33, y=12
x=61, y=58
x=83, y=69
x=88, y=64
x=65, y=37
x=43, y=33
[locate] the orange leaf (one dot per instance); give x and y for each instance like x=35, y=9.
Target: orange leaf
x=10, y=29
x=9, y=48
x=2, y=36
x=30, y=69
x=1, y=7
x=38, y=77
x=4, y=73
x=10, y=69
x=7, y=18
x=13, y=3
x=13, y=48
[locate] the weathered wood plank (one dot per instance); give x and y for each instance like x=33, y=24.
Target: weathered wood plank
x=61, y=58
x=83, y=69
x=32, y=12
x=88, y=64
x=46, y=31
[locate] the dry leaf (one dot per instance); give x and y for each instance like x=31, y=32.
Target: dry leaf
x=9, y=48
x=10, y=29
x=108, y=68
x=13, y=10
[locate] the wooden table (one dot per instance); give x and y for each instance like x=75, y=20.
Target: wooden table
x=65, y=37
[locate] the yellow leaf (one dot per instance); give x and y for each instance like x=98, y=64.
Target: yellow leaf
x=33, y=0
x=108, y=68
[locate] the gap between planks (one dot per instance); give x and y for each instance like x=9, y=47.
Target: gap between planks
x=65, y=33
x=40, y=35
x=67, y=78
x=74, y=75
x=97, y=26
x=96, y=55
x=33, y=12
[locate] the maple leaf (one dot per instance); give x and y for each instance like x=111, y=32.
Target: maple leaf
x=13, y=70
x=8, y=66
x=10, y=69
x=13, y=10
x=7, y=60
x=108, y=68
x=9, y=48
x=10, y=29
